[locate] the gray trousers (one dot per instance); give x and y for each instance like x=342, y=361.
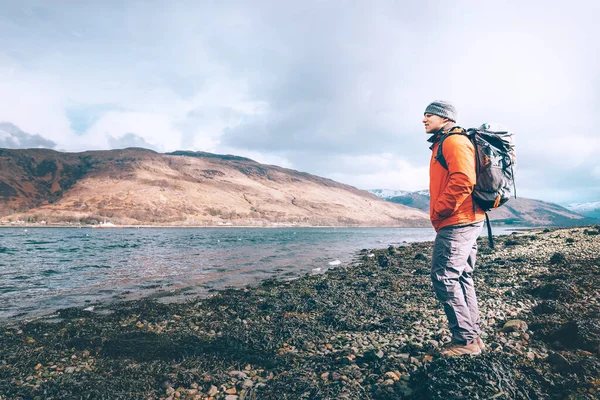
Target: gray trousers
x=452, y=265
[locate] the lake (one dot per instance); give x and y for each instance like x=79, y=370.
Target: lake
x=45, y=269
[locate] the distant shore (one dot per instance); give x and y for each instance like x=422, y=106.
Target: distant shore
x=372, y=330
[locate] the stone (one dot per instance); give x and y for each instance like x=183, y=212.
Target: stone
x=391, y=375
x=247, y=384
x=213, y=390
x=238, y=375
x=558, y=360
x=514, y=326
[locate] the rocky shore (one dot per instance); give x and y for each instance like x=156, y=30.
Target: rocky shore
x=370, y=330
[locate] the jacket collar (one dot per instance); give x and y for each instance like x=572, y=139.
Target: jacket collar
x=437, y=135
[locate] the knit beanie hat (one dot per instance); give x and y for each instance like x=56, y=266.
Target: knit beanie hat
x=442, y=109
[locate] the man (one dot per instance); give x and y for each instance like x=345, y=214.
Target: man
x=458, y=223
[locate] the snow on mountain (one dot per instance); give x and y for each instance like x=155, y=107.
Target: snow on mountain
x=388, y=193
x=590, y=209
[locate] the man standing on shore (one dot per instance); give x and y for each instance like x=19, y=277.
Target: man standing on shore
x=458, y=223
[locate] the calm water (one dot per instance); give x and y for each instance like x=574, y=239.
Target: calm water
x=44, y=269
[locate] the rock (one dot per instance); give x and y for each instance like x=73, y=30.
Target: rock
x=325, y=376
x=248, y=383
x=391, y=375
x=231, y=391
x=561, y=291
x=515, y=325
x=231, y=397
x=213, y=390
x=372, y=355
x=530, y=355
x=238, y=375
x=558, y=360
x=420, y=257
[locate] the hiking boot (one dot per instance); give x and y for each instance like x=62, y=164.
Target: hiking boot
x=456, y=350
x=480, y=343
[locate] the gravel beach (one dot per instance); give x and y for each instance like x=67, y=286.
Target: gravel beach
x=371, y=329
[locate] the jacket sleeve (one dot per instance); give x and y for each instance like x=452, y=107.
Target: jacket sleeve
x=460, y=158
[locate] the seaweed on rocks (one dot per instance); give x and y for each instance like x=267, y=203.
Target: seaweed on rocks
x=485, y=377
x=372, y=330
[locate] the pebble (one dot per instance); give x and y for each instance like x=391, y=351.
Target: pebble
x=391, y=375
x=238, y=375
x=213, y=390
x=248, y=383
x=515, y=325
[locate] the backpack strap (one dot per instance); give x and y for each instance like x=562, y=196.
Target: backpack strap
x=440, y=155
x=489, y=229
x=442, y=160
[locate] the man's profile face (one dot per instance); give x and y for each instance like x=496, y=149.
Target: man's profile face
x=433, y=123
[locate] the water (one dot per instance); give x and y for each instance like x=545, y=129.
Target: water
x=45, y=269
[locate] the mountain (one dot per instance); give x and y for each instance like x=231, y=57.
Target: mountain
x=591, y=209
x=519, y=211
x=419, y=199
x=137, y=187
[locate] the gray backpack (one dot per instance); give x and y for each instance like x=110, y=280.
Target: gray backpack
x=495, y=166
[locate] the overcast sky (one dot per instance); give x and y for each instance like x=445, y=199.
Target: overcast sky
x=333, y=88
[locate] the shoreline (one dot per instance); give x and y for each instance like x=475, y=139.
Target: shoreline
x=371, y=330
x=499, y=226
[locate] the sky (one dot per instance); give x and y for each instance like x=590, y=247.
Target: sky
x=332, y=88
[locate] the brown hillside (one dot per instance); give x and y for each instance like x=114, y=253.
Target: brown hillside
x=138, y=186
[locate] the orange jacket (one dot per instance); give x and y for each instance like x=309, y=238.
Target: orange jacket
x=450, y=189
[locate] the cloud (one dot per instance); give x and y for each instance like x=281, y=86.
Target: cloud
x=380, y=171
x=333, y=89
x=129, y=140
x=11, y=137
